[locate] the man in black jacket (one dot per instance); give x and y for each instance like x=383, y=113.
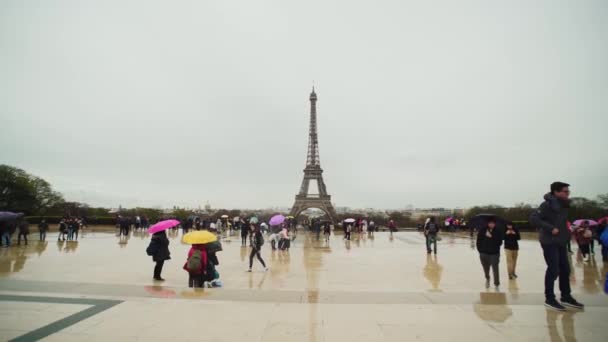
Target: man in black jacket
x=489, y=240
x=550, y=219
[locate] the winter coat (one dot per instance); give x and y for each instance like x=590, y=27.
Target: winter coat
x=159, y=248
x=511, y=240
x=552, y=213
x=579, y=233
x=204, y=258
x=489, y=245
x=258, y=240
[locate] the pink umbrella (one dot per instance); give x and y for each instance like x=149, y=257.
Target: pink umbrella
x=579, y=222
x=277, y=220
x=163, y=225
x=603, y=220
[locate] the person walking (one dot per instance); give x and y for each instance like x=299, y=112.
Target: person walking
x=347, y=231
x=584, y=236
x=63, y=228
x=257, y=240
x=24, y=230
x=489, y=241
x=392, y=226
x=43, y=227
x=512, y=237
x=244, y=233
x=159, y=251
x=430, y=233
x=326, y=231
x=550, y=218
x=372, y=227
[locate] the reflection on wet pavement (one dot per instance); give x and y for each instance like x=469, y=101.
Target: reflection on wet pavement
x=316, y=286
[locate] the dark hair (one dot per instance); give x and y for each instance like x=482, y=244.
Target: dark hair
x=558, y=186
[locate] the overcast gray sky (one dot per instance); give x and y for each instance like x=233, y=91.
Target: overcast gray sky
x=430, y=103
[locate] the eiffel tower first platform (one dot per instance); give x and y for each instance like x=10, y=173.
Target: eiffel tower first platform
x=313, y=171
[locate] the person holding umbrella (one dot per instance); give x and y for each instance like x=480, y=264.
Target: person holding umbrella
x=159, y=246
x=257, y=240
x=550, y=218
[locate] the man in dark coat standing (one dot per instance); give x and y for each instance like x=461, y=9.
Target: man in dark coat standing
x=550, y=219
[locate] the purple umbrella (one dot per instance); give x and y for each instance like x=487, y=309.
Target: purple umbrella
x=277, y=220
x=7, y=216
x=580, y=222
x=163, y=225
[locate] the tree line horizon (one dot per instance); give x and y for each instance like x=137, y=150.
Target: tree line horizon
x=35, y=197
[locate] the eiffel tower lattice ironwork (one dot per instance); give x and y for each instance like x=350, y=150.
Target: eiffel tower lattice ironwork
x=313, y=171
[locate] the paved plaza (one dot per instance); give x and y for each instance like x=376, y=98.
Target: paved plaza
x=369, y=289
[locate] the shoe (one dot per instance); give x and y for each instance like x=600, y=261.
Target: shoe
x=571, y=302
x=267, y=269
x=159, y=279
x=511, y=277
x=497, y=285
x=553, y=304
x=514, y=275
x=249, y=270
x=487, y=283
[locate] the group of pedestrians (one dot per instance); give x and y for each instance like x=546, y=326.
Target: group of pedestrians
x=69, y=228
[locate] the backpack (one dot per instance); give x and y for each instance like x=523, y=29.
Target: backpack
x=432, y=228
x=195, y=262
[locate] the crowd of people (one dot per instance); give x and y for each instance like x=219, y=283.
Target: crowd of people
x=68, y=227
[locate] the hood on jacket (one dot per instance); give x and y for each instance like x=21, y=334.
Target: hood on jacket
x=555, y=202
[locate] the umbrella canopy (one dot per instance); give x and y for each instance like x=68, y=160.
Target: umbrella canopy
x=603, y=220
x=162, y=225
x=580, y=222
x=7, y=216
x=349, y=220
x=481, y=220
x=224, y=216
x=199, y=237
x=277, y=220
x=253, y=220
x=214, y=247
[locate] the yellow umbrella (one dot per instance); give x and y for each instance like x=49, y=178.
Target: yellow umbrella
x=199, y=237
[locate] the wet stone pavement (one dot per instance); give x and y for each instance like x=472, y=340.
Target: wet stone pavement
x=369, y=289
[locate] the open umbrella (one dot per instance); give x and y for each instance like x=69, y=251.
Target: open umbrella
x=580, y=222
x=349, y=220
x=7, y=216
x=224, y=216
x=253, y=220
x=162, y=225
x=481, y=220
x=277, y=220
x=603, y=220
x=199, y=237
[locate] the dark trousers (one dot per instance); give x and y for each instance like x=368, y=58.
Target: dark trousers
x=431, y=240
x=243, y=240
x=195, y=280
x=490, y=260
x=556, y=258
x=592, y=246
x=158, y=269
x=255, y=252
x=42, y=235
x=584, y=248
x=347, y=235
x=19, y=238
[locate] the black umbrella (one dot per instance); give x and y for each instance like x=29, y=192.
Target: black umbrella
x=481, y=220
x=7, y=216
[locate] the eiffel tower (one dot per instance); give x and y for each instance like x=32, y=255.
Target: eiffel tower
x=313, y=171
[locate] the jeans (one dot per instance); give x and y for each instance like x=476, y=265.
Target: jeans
x=556, y=257
x=255, y=252
x=6, y=238
x=487, y=261
x=431, y=240
x=42, y=235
